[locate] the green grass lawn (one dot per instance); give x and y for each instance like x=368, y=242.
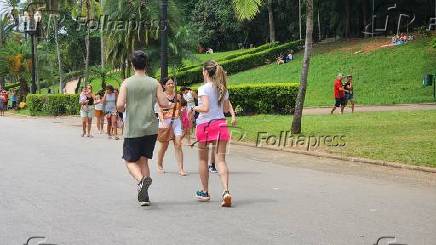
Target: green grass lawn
x=406, y=137
x=381, y=76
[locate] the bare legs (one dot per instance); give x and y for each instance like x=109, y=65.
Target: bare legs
x=84, y=121
x=220, y=158
x=334, y=109
x=139, y=169
x=100, y=124
x=179, y=155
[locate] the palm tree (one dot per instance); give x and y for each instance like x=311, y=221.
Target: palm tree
x=15, y=63
x=90, y=9
x=296, y=122
x=248, y=9
x=122, y=43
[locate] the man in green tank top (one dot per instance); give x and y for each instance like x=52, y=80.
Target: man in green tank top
x=138, y=95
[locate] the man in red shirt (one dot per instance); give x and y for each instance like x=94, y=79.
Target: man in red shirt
x=339, y=94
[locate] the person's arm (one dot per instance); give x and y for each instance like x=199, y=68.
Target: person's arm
x=122, y=98
x=162, y=99
x=232, y=112
x=204, y=107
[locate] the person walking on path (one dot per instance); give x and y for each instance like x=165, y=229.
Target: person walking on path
x=212, y=128
x=171, y=118
x=339, y=94
x=348, y=87
x=111, y=114
x=138, y=95
x=87, y=108
x=190, y=97
x=99, y=114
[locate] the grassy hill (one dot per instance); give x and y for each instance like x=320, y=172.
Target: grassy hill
x=381, y=75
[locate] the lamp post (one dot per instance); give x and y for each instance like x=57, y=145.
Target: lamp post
x=164, y=39
x=31, y=28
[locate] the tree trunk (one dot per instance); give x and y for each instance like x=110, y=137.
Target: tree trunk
x=347, y=18
x=102, y=56
x=272, y=31
x=76, y=91
x=296, y=122
x=88, y=6
x=2, y=79
x=365, y=14
x=23, y=91
x=61, y=86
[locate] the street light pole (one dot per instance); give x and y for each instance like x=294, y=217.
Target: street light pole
x=164, y=39
x=33, y=86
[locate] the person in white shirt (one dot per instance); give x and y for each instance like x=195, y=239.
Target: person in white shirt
x=212, y=128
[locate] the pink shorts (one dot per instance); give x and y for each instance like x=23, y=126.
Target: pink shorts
x=215, y=130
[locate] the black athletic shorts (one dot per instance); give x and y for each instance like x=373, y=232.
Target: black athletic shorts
x=340, y=102
x=135, y=148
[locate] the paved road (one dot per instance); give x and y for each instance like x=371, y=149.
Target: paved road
x=372, y=108
x=77, y=191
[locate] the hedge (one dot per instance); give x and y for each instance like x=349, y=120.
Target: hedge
x=232, y=56
x=53, y=104
x=11, y=86
x=240, y=63
x=264, y=98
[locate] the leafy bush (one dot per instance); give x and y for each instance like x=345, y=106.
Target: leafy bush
x=264, y=98
x=434, y=43
x=241, y=62
x=53, y=104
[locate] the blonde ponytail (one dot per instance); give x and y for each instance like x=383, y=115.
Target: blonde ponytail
x=218, y=77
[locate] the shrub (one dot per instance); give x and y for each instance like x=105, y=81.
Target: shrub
x=241, y=62
x=263, y=98
x=11, y=86
x=53, y=104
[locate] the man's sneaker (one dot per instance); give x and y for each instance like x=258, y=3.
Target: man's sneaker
x=143, y=185
x=202, y=196
x=227, y=200
x=212, y=169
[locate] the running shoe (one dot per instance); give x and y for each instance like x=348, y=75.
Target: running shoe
x=143, y=186
x=202, y=196
x=227, y=200
x=212, y=169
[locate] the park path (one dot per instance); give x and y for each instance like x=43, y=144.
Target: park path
x=76, y=190
x=372, y=108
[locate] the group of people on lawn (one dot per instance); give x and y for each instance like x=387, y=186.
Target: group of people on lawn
x=343, y=92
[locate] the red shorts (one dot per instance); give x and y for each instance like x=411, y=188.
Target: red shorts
x=215, y=130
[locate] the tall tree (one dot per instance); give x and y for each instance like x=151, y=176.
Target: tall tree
x=296, y=122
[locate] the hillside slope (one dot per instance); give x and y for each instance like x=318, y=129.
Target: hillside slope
x=381, y=75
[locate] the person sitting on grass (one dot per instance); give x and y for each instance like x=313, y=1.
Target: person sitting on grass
x=339, y=94
x=280, y=60
x=289, y=57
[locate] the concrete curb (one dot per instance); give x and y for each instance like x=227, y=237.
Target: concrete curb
x=343, y=158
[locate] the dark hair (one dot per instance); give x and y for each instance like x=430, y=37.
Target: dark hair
x=165, y=80
x=183, y=102
x=110, y=88
x=139, y=60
